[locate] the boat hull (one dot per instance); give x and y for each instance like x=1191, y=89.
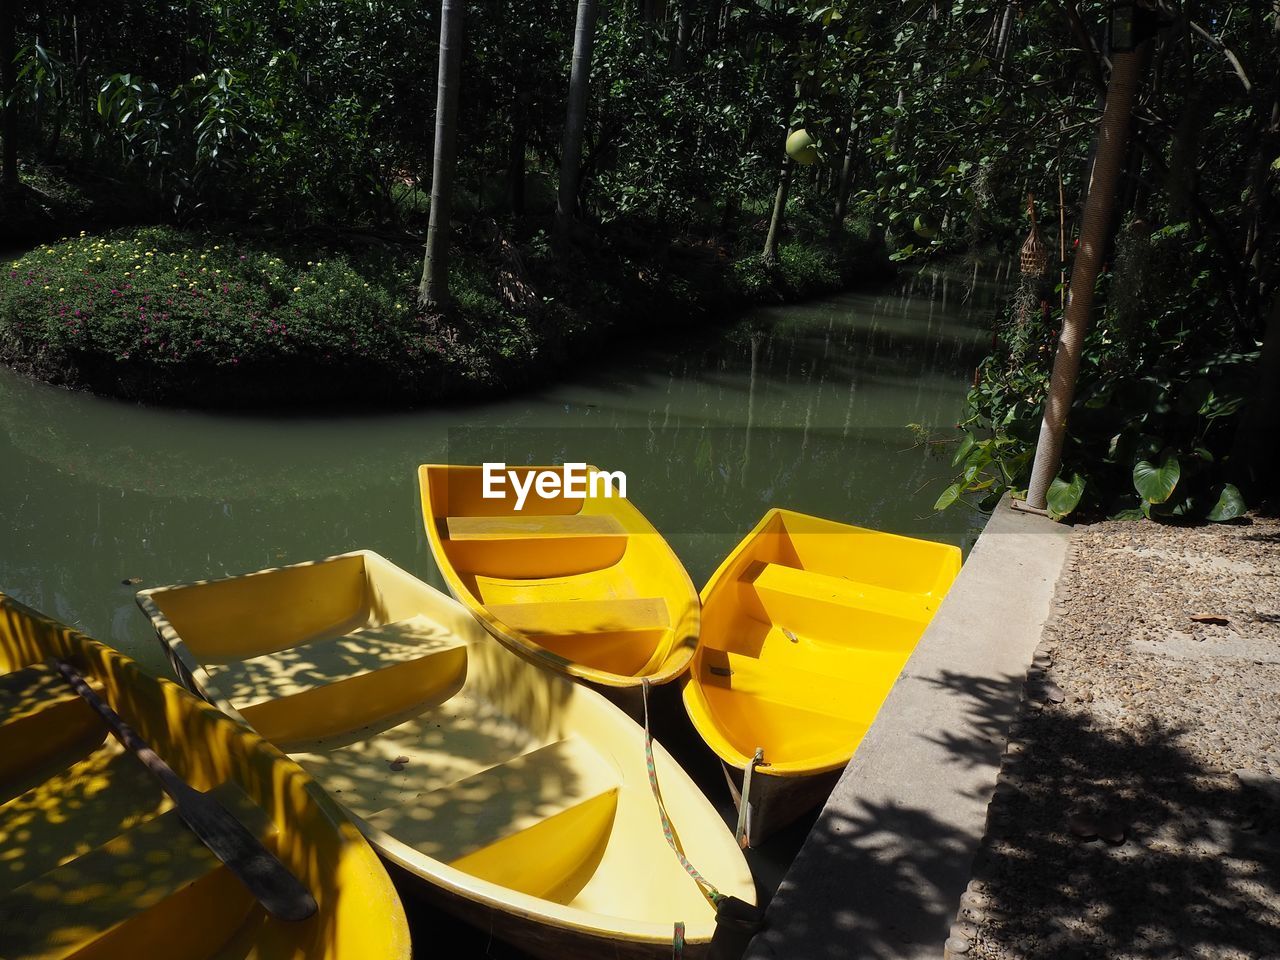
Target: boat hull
x=582, y=586
x=515, y=798
x=777, y=802
x=806, y=626
x=98, y=862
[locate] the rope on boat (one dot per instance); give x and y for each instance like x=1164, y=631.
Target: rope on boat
x=705, y=886
x=677, y=941
x=740, y=834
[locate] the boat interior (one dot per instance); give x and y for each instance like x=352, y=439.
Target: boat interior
x=451, y=750
x=804, y=630
x=94, y=859
x=587, y=580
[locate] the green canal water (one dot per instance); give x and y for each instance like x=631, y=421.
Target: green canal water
x=806, y=406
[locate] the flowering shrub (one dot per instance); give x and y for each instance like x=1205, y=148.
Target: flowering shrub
x=171, y=301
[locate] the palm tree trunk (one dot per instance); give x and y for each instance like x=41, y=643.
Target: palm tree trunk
x=1113, y=143
x=8, y=82
x=576, y=116
x=433, y=290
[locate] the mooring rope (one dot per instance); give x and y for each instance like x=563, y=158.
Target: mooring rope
x=705, y=886
x=744, y=798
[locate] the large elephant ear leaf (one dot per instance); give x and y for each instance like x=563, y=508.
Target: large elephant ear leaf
x=1155, y=482
x=1063, y=497
x=1229, y=506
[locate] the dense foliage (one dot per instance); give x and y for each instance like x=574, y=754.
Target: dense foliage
x=932, y=121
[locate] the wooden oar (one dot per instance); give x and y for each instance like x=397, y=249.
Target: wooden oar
x=272, y=885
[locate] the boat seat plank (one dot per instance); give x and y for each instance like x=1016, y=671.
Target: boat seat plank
x=30, y=690
x=558, y=618
x=332, y=660
x=454, y=821
x=532, y=527
x=41, y=717
x=825, y=587
x=78, y=903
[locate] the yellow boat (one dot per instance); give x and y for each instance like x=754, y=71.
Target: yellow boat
x=584, y=586
x=94, y=861
x=805, y=627
x=517, y=799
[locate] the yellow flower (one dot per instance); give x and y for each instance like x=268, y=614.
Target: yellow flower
x=62, y=289
x=296, y=289
x=398, y=306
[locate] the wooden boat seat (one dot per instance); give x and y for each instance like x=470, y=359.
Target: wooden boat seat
x=619, y=636
x=558, y=618
x=560, y=527
x=335, y=684
x=825, y=608
x=86, y=899
x=533, y=547
x=40, y=716
x=502, y=824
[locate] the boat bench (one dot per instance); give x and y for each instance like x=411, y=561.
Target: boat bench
x=334, y=684
x=825, y=608
x=40, y=716
x=124, y=881
x=513, y=822
x=522, y=547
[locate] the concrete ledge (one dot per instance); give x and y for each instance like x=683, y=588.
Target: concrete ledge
x=882, y=871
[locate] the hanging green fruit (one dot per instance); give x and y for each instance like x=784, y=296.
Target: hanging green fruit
x=801, y=147
x=926, y=226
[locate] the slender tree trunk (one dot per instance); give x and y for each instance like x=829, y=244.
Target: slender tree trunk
x=575, y=120
x=770, y=253
x=680, y=50
x=845, y=182
x=1113, y=142
x=8, y=83
x=1002, y=40
x=433, y=290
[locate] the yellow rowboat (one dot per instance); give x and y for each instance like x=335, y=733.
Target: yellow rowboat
x=94, y=860
x=584, y=586
x=805, y=627
x=515, y=798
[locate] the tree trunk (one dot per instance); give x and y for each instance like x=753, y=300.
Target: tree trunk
x=575, y=116
x=433, y=290
x=682, y=39
x=845, y=183
x=1002, y=39
x=1113, y=142
x=770, y=253
x=8, y=83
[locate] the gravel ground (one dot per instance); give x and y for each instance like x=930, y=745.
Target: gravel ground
x=1138, y=809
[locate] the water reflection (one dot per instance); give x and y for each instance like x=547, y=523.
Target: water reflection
x=803, y=406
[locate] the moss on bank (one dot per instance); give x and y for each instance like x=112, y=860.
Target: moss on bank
x=218, y=319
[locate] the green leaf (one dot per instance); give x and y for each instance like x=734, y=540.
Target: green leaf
x=1063, y=497
x=1229, y=506
x=965, y=446
x=1132, y=513
x=948, y=497
x=1155, y=483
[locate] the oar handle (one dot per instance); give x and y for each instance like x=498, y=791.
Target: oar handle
x=281, y=894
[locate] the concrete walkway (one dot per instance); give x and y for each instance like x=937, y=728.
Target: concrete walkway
x=882, y=872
